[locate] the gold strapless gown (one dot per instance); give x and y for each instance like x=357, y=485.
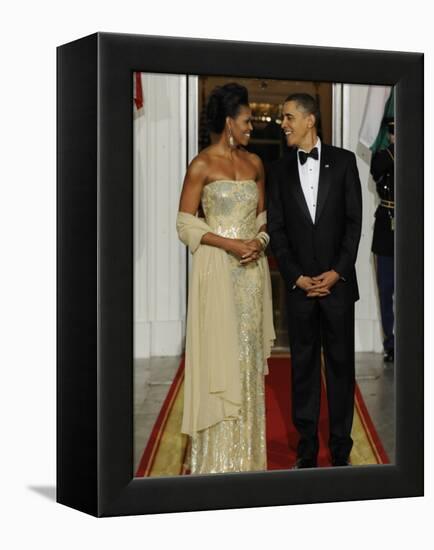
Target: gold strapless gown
x=237, y=445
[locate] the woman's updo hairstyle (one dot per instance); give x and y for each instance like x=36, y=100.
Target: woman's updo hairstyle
x=225, y=101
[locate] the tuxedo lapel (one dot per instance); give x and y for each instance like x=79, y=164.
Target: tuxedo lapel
x=293, y=181
x=325, y=176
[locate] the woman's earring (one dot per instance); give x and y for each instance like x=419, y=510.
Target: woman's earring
x=231, y=139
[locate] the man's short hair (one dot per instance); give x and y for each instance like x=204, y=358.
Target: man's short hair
x=307, y=104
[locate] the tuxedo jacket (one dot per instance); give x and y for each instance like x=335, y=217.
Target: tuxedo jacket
x=305, y=247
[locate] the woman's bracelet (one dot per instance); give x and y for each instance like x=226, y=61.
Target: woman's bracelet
x=263, y=238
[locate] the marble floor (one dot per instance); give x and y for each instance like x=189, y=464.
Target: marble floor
x=152, y=379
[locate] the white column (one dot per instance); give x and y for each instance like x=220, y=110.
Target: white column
x=337, y=106
x=193, y=130
x=368, y=326
x=160, y=134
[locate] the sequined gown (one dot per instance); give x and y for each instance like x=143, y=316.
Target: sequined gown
x=237, y=445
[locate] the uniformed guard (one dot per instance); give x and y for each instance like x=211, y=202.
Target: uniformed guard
x=382, y=170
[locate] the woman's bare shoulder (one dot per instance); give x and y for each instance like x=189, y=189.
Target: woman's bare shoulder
x=255, y=160
x=200, y=163
x=203, y=162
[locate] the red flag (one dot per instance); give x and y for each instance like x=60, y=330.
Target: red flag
x=138, y=98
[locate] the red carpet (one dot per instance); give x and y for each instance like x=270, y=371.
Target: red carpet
x=281, y=434
x=165, y=451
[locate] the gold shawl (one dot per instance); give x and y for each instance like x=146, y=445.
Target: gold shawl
x=212, y=387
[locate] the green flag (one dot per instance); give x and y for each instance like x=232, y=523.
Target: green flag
x=382, y=139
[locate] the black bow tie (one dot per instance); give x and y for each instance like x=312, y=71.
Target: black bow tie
x=303, y=156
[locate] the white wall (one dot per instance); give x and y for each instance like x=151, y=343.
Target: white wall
x=368, y=326
x=160, y=131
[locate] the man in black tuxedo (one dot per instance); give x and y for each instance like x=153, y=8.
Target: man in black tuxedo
x=314, y=212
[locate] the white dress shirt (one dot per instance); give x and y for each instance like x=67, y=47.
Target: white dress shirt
x=309, y=178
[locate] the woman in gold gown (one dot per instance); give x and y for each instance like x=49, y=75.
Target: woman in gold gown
x=229, y=323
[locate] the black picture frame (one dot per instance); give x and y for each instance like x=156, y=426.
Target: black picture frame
x=95, y=274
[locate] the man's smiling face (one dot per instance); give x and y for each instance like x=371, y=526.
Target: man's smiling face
x=296, y=124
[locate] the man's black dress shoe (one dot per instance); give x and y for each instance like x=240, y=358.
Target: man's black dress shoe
x=389, y=356
x=340, y=462
x=304, y=463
